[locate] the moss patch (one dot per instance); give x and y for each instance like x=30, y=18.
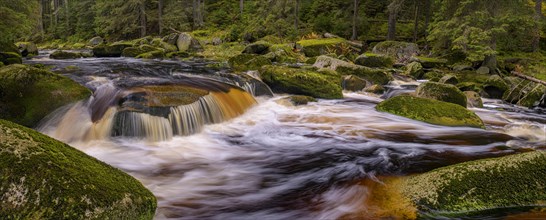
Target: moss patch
x=375, y=76
x=506, y=182
x=374, y=60
x=9, y=58
x=430, y=111
x=302, y=82
x=244, y=62
x=441, y=92
x=317, y=47
x=113, y=50
x=60, y=54
x=43, y=178
x=28, y=94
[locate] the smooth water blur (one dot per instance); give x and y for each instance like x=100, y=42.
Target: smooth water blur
x=278, y=161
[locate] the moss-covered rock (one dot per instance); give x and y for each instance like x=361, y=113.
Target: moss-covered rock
x=353, y=83
x=441, y=92
x=396, y=49
x=43, y=178
x=27, y=48
x=430, y=111
x=473, y=99
x=495, y=86
x=244, y=62
x=302, y=81
x=95, y=41
x=28, y=94
x=374, y=60
x=470, y=86
x=317, y=47
x=156, y=54
x=112, y=50
x=186, y=42
x=523, y=92
x=301, y=99
x=260, y=47
x=415, y=70
x=375, y=76
x=131, y=52
x=9, y=58
x=510, y=182
x=177, y=54
x=61, y=55
x=429, y=62
x=377, y=89
x=449, y=79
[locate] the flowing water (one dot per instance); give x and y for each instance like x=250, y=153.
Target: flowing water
x=274, y=160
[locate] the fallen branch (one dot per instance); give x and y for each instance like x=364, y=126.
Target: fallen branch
x=520, y=75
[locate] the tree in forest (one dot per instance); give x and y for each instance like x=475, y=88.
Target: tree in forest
x=394, y=9
x=18, y=20
x=355, y=19
x=121, y=19
x=538, y=20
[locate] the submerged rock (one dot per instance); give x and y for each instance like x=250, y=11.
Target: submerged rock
x=244, y=62
x=374, y=76
x=52, y=180
x=374, y=60
x=441, y=92
x=28, y=94
x=353, y=83
x=430, y=111
x=377, y=89
x=473, y=99
x=60, y=55
x=301, y=99
x=283, y=79
x=27, y=48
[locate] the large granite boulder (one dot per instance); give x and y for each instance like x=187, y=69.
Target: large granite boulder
x=441, y=92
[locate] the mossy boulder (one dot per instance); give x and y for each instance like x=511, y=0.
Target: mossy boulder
x=61, y=55
x=481, y=186
x=186, y=42
x=473, y=99
x=523, y=92
x=156, y=54
x=43, y=178
x=95, y=41
x=449, y=79
x=374, y=76
x=301, y=99
x=9, y=58
x=260, y=47
x=28, y=94
x=27, y=48
x=326, y=84
x=131, y=52
x=470, y=86
x=441, y=92
x=177, y=54
x=399, y=50
x=374, y=60
x=353, y=83
x=415, y=70
x=495, y=86
x=244, y=62
x=376, y=89
x=317, y=47
x=430, y=111
x=429, y=62
x=112, y=50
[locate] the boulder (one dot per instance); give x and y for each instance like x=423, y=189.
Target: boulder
x=495, y=87
x=430, y=111
x=473, y=99
x=28, y=94
x=112, y=50
x=374, y=60
x=52, y=180
x=244, y=62
x=259, y=47
x=61, y=55
x=156, y=54
x=415, y=70
x=483, y=70
x=317, y=47
x=170, y=39
x=326, y=84
x=353, y=83
x=95, y=41
x=186, y=42
x=27, y=48
x=441, y=92
x=10, y=58
x=401, y=51
x=374, y=76
x=523, y=92
x=177, y=54
x=470, y=86
x=480, y=187
x=429, y=62
x=138, y=50
x=301, y=99
x=377, y=89
x=449, y=79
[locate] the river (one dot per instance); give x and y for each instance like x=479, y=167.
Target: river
x=279, y=161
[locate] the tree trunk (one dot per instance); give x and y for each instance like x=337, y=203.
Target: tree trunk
x=416, y=22
x=55, y=12
x=241, y=6
x=67, y=14
x=194, y=13
x=355, y=19
x=296, y=18
x=538, y=18
x=41, y=24
x=160, y=16
x=394, y=8
x=142, y=16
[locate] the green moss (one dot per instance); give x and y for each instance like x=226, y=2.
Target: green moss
x=473, y=99
x=495, y=86
x=244, y=62
x=112, y=50
x=302, y=82
x=375, y=76
x=441, y=92
x=131, y=52
x=449, y=79
x=430, y=62
x=470, y=86
x=28, y=94
x=374, y=60
x=156, y=54
x=9, y=58
x=222, y=52
x=260, y=47
x=353, y=83
x=415, y=70
x=43, y=178
x=430, y=111
x=317, y=47
x=478, y=186
x=523, y=92
x=177, y=54
x=60, y=54
x=301, y=99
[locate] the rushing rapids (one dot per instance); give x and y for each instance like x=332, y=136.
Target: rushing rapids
x=269, y=159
